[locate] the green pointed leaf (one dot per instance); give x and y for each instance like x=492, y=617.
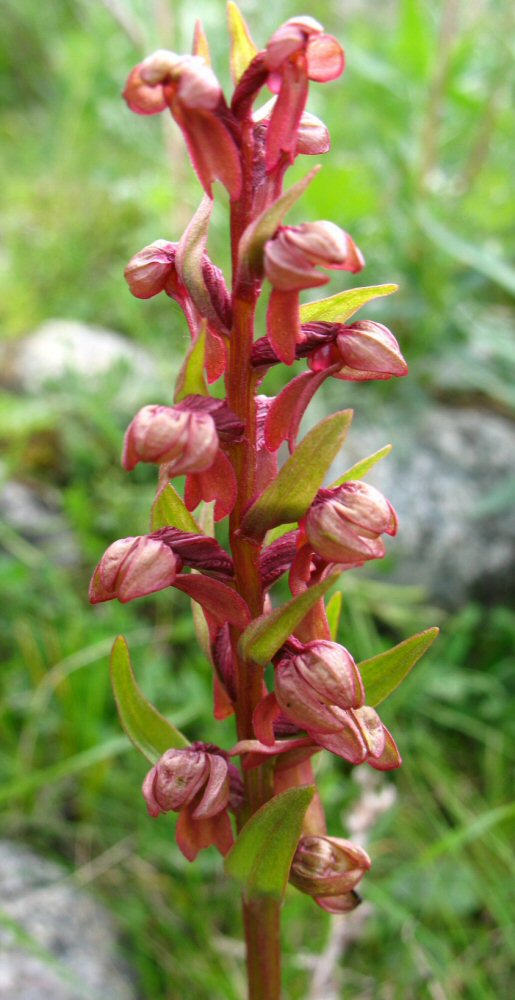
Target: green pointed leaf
x=294, y=488
x=333, y=612
x=360, y=469
x=243, y=49
x=146, y=728
x=191, y=380
x=340, y=307
x=265, y=635
x=262, y=855
x=383, y=673
x=170, y=511
x=188, y=260
x=264, y=227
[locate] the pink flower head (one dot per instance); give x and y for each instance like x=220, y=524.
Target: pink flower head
x=365, y=350
x=344, y=525
x=297, y=52
x=196, y=783
x=190, y=89
x=291, y=260
x=329, y=869
x=133, y=567
x=319, y=678
x=183, y=441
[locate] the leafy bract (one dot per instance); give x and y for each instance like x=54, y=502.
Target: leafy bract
x=243, y=49
x=383, y=673
x=263, y=228
x=265, y=635
x=288, y=497
x=146, y=728
x=191, y=380
x=360, y=469
x=190, y=252
x=333, y=612
x=170, y=511
x=262, y=855
x=340, y=307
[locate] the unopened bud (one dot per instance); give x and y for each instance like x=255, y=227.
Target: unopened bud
x=312, y=685
x=183, y=441
x=328, y=866
x=133, y=567
x=365, y=350
x=149, y=271
x=181, y=776
x=344, y=524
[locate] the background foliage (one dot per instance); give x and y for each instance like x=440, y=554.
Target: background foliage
x=420, y=175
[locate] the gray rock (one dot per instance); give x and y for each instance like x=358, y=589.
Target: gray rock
x=61, y=346
x=56, y=943
x=450, y=477
x=37, y=517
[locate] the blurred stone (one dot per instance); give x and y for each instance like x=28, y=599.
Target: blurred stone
x=36, y=516
x=62, y=346
x=56, y=942
x=450, y=477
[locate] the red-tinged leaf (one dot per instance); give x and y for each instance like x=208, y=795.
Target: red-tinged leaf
x=383, y=673
x=360, y=469
x=200, y=43
x=293, y=490
x=243, y=49
x=340, y=307
x=221, y=601
x=191, y=380
x=264, y=227
x=211, y=148
x=288, y=408
x=216, y=355
x=170, y=511
x=263, y=718
x=223, y=706
x=265, y=635
x=262, y=855
x=217, y=483
x=146, y=728
x=282, y=324
x=188, y=259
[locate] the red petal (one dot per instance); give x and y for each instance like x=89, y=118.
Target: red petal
x=216, y=357
x=215, y=597
x=265, y=714
x=288, y=408
x=216, y=483
x=283, y=324
x=390, y=757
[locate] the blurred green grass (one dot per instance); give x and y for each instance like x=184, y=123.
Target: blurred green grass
x=420, y=174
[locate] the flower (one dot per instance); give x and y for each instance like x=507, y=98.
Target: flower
x=318, y=678
x=183, y=441
x=152, y=269
x=343, y=525
x=329, y=869
x=365, y=350
x=199, y=784
x=133, y=567
x=291, y=259
x=189, y=88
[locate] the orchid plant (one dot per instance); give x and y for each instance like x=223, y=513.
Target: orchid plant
x=265, y=817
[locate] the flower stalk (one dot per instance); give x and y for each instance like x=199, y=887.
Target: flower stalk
x=266, y=818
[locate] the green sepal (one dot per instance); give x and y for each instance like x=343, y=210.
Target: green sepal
x=243, y=49
x=266, y=634
x=263, y=228
x=383, y=673
x=261, y=857
x=191, y=380
x=297, y=483
x=360, y=469
x=170, y=511
x=340, y=307
x=333, y=612
x=146, y=728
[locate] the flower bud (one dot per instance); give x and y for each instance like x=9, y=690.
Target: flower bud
x=365, y=350
x=328, y=866
x=175, y=780
x=343, y=525
x=197, y=85
x=184, y=441
x=133, y=567
x=148, y=272
x=314, y=683
x=292, y=255
x=313, y=136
